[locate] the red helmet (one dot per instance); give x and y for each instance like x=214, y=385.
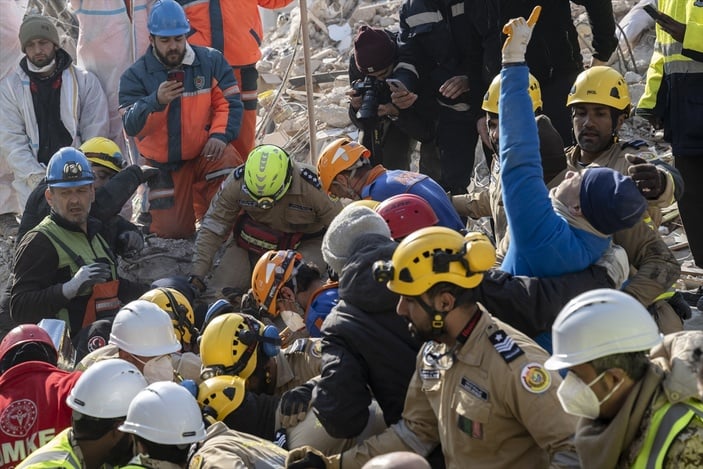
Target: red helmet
x=22, y=334
x=406, y=213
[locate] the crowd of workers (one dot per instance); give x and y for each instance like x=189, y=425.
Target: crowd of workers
x=352, y=321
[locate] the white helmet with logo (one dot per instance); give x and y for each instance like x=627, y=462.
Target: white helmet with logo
x=599, y=323
x=106, y=388
x=165, y=413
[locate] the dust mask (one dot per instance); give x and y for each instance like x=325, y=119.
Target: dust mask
x=577, y=398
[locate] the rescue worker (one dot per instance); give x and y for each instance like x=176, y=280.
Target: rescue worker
x=48, y=103
x=33, y=393
x=345, y=170
x=272, y=202
x=143, y=334
x=638, y=407
x=569, y=228
x=284, y=285
x=63, y=267
x=390, y=133
x=674, y=76
x=182, y=105
x=599, y=103
x=489, y=202
x=508, y=417
x=235, y=30
x=223, y=447
x=114, y=186
x=99, y=400
x=163, y=421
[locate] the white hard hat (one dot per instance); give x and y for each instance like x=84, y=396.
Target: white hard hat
x=142, y=328
x=599, y=323
x=165, y=413
x=106, y=388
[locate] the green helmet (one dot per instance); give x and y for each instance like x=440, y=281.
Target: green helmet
x=267, y=174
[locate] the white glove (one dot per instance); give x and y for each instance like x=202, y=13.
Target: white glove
x=85, y=278
x=33, y=180
x=519, y=32
x=615, y=261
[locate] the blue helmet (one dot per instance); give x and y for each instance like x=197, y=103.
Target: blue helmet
x=69, y=168
x=167, y=19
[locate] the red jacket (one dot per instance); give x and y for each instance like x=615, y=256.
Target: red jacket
x=232, y=27
x=33, y=408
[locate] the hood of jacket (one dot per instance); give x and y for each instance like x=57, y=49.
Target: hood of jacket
x=357, y=285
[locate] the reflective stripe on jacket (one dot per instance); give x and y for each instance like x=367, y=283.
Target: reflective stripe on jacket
x=58, y=453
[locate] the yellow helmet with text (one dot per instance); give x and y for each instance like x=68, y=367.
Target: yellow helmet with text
x=490, y=99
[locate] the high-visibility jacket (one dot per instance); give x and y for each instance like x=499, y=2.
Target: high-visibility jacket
x=674, y=77
x=666, y=423
x=58, y=453
x=233, y=28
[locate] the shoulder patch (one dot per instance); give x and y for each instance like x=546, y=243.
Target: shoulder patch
x=505, y=346
x=311, y=177
x=535, y=378
x=633, y=144
x=196, y=462
x=238, y=172
x=316, y=349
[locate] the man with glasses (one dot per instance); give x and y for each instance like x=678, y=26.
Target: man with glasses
x=269, y=203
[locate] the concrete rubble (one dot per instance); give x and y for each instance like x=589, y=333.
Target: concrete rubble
x=332, y=25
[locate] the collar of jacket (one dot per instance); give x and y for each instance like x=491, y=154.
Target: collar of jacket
x=94, y=225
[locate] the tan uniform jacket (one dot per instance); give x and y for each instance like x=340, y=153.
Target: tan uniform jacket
x=668, y=379
x=496, y=407
x=304, y=208
x=225, y=448
x=298, y=363
x=614, y=158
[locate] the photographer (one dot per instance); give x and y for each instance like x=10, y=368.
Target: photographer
x=389, y=132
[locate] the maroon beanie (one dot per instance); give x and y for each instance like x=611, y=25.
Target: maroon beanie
x=374, y=50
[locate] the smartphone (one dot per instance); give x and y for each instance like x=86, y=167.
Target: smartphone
x=176, y=75
x=396, y=85
x=651, y=11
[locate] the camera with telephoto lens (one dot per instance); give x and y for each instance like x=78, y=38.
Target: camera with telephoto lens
x=373, y=92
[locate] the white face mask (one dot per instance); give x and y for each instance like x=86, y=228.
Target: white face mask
x=577, y=398
x=158, y=369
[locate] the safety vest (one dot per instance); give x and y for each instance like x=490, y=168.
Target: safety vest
x=668, y=57
x=74, y=250
x=58, y=453
x=666, y=424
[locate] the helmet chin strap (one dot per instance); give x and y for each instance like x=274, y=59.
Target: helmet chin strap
x=436, y=317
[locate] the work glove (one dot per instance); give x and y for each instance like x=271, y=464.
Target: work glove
x=197, y=283
x=294, y=405
x=650, y=181
x=129, y=243
x=307, y=457
x=680, y=306
x=519, y=32
x=148, y=172
x=85, y=278
x=249, y=305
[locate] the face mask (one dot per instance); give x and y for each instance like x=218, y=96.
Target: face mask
x=577, y=398
x=158, y=369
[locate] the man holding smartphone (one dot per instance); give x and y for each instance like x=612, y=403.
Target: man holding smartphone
x=182, y=103
x=671, y=101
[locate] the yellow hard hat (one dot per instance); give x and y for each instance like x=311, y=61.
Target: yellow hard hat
x=433, y=255
x=268, y=173
x=223, y=394
x=600, y=85
x=490, y=99
x=179, y=308
x=103, y=152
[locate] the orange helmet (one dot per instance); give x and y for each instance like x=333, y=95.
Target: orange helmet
x=339, y=156
x=273, y=270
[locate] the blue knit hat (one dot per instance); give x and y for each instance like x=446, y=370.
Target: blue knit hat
x=610, y=201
